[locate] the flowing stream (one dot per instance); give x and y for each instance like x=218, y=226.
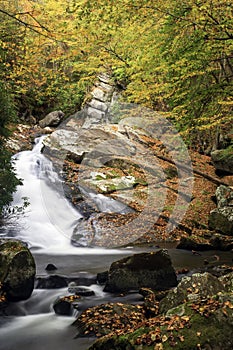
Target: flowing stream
x=47, y=227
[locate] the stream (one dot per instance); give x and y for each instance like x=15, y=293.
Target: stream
x=47, y=226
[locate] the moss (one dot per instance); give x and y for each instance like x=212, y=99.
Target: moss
x=200, y=332
x=226, y=154
x=99, y=177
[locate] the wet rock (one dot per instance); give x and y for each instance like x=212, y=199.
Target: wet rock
x=199, y=285
x=102, y=277
x=66, y=305
x=51, y=282
x=83, y=233
x=17, y=270
x=192, y=243
x=81, y=291
x=86, y=280
x=50, y=267
x=153, y=270
x=52, y=119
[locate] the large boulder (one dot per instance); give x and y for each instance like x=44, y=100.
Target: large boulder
x=153, y=270
x=223, y=159
x=221, y=218
x=191, y=289
x=17, y=270
x=97, y=143
x=52, y=119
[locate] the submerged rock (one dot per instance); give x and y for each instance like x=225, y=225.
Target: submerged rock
x=50, y=267
x=17, y=270
x=51, y=282
x=66, y=305
x=153, y=270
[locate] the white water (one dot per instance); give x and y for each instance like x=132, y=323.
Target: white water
x=50, y=219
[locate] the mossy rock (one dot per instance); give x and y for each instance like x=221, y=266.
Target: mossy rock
x=185, y=328
x=223, y=159
x=153, y=270
x=17, y=270
x=199, y=285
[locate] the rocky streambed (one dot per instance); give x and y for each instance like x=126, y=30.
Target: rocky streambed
x=159, y=298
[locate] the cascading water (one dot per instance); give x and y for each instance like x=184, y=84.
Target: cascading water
x=49, y=220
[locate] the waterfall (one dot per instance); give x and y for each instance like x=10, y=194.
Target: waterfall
x=49, y=221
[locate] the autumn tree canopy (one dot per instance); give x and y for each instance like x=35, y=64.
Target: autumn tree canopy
x=173, y=56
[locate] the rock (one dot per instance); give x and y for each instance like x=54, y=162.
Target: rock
x=98, y=105
x=95, y=114
x=17, y=270
x=102, y=277
x=223, y=159
x=192, y=243
x=85, y=280
x=105, y=318
x=81, y=291
x=224, y=196
x=109, y=185
x=51, y=282
x=52, y=119
x=150, y=304
x=66, y=305
x=221, y=218
x=183, y=328
x=98, y=143
x=220, y=242
x=99, y=94
x=50, y=267
x=227, y=281
x=153, y=270
x=199, y=285
x=83, y=233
